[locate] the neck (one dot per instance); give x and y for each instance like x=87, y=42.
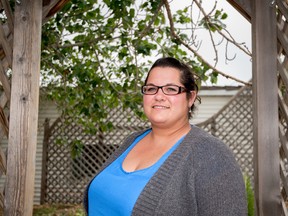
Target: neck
x=161, y=132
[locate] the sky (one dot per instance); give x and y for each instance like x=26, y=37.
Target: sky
x=240, y=29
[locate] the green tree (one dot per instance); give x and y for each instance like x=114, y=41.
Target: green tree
x=94, y=53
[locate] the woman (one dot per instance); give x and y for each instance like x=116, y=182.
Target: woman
x=173, y=168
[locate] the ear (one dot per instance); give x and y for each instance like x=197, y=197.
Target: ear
x=192, y=98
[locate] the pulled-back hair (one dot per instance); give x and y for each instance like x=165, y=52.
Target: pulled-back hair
x=186, y=76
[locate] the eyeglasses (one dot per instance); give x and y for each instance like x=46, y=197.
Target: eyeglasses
x=167, y=89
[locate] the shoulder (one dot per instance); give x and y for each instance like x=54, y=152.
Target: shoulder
x=207, y=150
x=216, y=176
x=200, y=139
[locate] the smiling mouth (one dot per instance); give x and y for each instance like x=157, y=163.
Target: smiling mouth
x=160, y=107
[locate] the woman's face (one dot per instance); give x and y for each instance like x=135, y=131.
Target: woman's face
x=166, y=110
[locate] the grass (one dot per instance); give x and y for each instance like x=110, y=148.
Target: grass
x=58, y=210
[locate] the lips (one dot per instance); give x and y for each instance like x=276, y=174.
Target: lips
x=160, y=107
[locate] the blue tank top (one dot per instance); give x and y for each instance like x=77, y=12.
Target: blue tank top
x=115, y=191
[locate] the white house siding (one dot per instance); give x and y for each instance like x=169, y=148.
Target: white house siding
x=47, y=109
x=213, y=99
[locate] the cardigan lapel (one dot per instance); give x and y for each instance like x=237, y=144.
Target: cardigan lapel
x=148, y=200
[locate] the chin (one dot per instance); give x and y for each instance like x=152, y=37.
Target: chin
x=158, y=123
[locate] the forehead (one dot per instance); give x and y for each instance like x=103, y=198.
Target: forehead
x=164, y=75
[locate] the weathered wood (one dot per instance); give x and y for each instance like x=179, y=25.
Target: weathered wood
x=282, y=72
x=283, y=107
x=5, y=45
x=1, y=200
x=3, y=165
x=19, y=187
x=283, y=8
x=244, y=7
x=8, y=42
x=48, y=6
x=284, y=207
x=265, y=109
x=5, y=82
x=283, y=39
x=9, y=14
x=4, y=122
x=3, y=100
x=51, y=7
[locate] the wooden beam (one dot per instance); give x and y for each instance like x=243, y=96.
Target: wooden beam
x=51, y=7
x=5, y=82
x=19, y=186
x=9, y=14
x=244, y=7
x=48, y=6
x=265, y=109
x=5, y=45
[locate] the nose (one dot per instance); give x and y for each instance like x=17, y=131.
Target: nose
x=160, y=95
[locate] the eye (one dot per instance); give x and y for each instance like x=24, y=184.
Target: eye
x=150, y=89
x=171, y=89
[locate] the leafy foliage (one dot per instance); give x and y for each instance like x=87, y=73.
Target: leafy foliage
x=97, y=52
x=249, y=195
x=214, y=22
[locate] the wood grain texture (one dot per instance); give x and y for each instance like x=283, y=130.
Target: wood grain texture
x=265, y=109
x=19, y=188
x=244, y=7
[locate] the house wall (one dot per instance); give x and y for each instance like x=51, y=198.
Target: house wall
x=212, y=100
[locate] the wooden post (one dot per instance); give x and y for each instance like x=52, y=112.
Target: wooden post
x=265, y=109
x=19, y=188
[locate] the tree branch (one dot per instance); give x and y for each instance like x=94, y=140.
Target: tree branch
x=231, y=39
x=148, y=27
x=174, y=35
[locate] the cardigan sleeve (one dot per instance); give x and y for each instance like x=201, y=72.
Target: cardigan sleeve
x=219, y=183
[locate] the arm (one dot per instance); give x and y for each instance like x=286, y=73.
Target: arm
x=219, y=185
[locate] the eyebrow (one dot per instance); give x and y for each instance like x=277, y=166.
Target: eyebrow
x=163, y=85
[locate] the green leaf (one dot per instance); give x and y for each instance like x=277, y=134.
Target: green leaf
x=249, y=195
x=224, y=16
x=214, y=77
x=95, y=55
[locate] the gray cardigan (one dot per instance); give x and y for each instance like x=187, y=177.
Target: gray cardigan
x=200, y=178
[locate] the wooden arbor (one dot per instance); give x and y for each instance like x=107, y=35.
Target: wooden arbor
x=20, y=39
x=20, y=53
x=269, y=26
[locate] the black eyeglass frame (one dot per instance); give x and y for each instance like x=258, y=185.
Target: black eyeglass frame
x=180, y=89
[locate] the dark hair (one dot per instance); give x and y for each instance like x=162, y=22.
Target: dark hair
x=186, y=76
